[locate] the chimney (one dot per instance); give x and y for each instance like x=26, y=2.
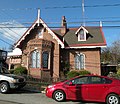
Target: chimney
x=63, y=26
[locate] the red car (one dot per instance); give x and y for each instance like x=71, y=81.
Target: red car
x=87, y=88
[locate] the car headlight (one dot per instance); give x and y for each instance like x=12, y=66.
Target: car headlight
x=50, y=86
x=14, y=80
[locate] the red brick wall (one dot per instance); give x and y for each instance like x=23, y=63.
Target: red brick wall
x=56, y=54
x=92, y=59
x=92, y=56
x=54, y=50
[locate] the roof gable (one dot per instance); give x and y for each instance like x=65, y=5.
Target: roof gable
x=80, y=29
x=45, y=26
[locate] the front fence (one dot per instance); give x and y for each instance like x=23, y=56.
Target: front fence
x=39, y=84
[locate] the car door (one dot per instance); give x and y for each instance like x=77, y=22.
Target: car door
x=97, y=88
x=77, y=90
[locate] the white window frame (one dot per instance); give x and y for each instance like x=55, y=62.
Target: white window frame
x=79, y=63
x=36, y=59
x=79, y=39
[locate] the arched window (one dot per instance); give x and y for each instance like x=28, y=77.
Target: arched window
x=45, y=58
x=79, y=61
x=35, y=59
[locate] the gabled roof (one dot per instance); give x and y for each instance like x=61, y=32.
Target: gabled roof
x=45, y=26
x=95, y=38
x=81, y=27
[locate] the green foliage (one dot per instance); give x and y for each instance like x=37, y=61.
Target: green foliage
x=111, y=54
x=72, y=74
x=118, y=72
x=20, y=70
x=84, y=72
x=77, y=73
x=106, y=55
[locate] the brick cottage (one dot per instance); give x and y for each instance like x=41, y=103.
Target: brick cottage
x=47, y=52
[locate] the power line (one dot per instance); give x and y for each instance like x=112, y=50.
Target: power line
x=73, y=22
x=11, y=38
x=11, y=30
x=77, y=6
x=6, y=42
x=112, y=26
x=87, y=6
x=18, y=9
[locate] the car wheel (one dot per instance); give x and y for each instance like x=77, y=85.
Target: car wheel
x=59, y=95
x=112, y=99
x=4, y=87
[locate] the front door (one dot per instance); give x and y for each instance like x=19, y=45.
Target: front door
x=78, y=89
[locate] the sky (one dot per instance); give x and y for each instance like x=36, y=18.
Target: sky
x=17, y=15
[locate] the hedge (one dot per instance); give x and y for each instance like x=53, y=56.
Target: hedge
x=20, y=70
x=77, y=73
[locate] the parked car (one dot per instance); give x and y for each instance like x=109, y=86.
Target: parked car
x=86, y=88
x=10, y=81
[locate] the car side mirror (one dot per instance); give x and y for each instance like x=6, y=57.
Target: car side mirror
x=70, y=83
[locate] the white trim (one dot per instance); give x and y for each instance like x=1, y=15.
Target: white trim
x=81, y=28
x=79, y=54
x=88, y=47
x=25, y=34
x=49, y=31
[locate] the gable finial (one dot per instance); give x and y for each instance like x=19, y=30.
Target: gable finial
x=100, y=23
x=38, y=16
x=83, y=12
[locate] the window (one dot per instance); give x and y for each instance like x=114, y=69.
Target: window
x=80, y=80
x=80, y=61
x=45, y=57
x=82, y=35
x=99, y=80
x=40, y=32
x=96, y=80
x=35, y=59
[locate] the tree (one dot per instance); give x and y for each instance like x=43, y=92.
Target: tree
x=111, y=54
x=115, y=51
x=106, y=55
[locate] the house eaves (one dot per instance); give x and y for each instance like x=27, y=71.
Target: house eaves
x=32, y=27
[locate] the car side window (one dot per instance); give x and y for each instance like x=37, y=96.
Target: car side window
x=107, y=81
x=95, y=80
x=99, y=80
x=80, y=80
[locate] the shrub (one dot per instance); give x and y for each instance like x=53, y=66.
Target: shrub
x=77, y=73
x=72, y=74
x=20, y=70
x=84, y=72
x=118, y=72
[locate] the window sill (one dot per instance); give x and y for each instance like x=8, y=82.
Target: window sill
x=45, y=69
